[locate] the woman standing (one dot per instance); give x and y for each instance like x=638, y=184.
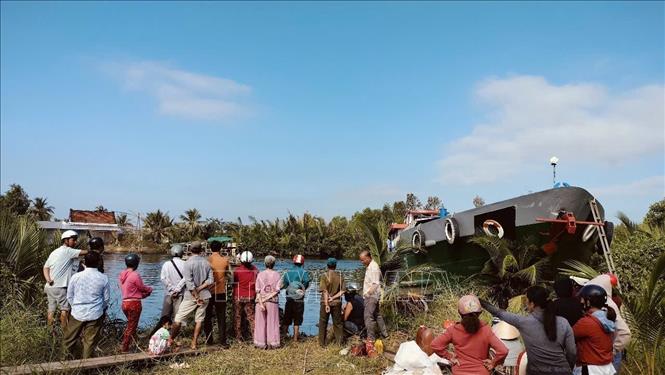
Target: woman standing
x=133, y=290
x=594, y=333
x=472, y=340
x=266, y=324
x=549, y=340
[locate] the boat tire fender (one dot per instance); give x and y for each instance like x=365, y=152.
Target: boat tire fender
x=493, y=223
x=589, y=231
x=418, y=240
x=451, y=230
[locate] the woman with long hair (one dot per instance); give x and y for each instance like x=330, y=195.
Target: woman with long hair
x=472, y=341
x=594, y=333
x=549, y=340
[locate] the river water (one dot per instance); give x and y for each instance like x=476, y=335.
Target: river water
x=151, y=265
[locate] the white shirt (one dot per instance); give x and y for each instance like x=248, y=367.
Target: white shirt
x=171, y=280
x=88, y=294
x=372, y=277
x=61, y=264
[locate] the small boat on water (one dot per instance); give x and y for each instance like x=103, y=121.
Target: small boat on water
x=559, y=221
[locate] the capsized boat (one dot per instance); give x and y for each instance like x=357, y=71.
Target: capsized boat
x=559, y=221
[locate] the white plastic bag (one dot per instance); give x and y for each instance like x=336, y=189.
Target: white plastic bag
x=411, y=357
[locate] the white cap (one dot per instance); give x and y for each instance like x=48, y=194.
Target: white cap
x=579, y=280
x=68, y=234
x=246, y=257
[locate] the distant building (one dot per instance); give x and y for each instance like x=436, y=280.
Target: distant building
x=93, y=223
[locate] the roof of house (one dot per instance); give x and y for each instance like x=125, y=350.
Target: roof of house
x=96, y=217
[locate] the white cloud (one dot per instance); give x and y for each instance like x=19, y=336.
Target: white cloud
x=181, y=93
x=530, y=119
x=653, y=186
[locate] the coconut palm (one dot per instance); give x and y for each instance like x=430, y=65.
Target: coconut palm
x=157, y=225
x=190, y=220
x=122, y=220
x=40, y=209
x=23, y=251
x=511, y=269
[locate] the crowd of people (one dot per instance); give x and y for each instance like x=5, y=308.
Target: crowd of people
x=197, y=288
x=581, y=332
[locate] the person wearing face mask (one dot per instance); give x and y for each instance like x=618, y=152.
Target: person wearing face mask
x=549, y=339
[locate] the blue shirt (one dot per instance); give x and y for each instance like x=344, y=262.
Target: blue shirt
x=297, y=273
x=88, y=294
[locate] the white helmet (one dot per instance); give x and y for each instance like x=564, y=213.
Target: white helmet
x=68, y=234
x=246, y=257
x=177, y=250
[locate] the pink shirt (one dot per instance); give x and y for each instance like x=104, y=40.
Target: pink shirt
x=131, y=285
x=470, y=349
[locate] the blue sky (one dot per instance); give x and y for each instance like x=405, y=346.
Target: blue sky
x=264, y=108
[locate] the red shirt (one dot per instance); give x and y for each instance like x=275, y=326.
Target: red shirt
x=470, y=349
x=244, y=282
x=594, y=345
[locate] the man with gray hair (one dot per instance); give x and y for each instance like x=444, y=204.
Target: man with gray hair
x=372, y=294
x=173, y=281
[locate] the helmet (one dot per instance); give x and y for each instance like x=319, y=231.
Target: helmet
x=246, y=257
x=468, y=304
x=132, y=260
x=593, y=295
x=96, y=243
x=177, y=250
x=351, y=288
x=68, y=234
x=299, y=259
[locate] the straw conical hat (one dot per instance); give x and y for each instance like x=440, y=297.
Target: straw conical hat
x=505, y=331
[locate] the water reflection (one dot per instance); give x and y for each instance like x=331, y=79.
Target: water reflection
x=150, y=269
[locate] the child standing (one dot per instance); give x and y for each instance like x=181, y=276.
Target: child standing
x=133, y=290
x=160, y=340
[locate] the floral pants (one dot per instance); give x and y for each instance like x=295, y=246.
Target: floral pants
x=246, y=306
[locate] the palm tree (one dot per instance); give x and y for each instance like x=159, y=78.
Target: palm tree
x=191, y=222
x=511, y=269
x=122, y=220
x=40, y=209
x=157, y=225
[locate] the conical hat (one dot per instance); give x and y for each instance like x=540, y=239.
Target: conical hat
x=505, y=331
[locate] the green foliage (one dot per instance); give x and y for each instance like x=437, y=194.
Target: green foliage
x=511, y=269
x=15, y=200
x=25, y=336
x=655, y=217
x=23, y=251
x=157, y=225
x=40, y=209
x=634, y=255
x=122, y=220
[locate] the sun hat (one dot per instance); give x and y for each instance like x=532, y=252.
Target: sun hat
x=505, y=331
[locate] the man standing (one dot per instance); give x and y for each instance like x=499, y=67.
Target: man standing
x=58, y=270
x=220, y=266
x=244, y=293
x=372, y=294
x=295, y=281
x=331, y=285
x=173, y=281
x=88, y=294
x=198, y=277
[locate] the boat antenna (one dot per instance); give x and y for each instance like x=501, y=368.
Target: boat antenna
x=553, y=162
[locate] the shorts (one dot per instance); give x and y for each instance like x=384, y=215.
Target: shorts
x=187, y=306
x=293, y=312
x=170, y=305
x=57, y=298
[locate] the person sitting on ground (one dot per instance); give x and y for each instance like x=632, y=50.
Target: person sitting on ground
x=331, y=285
x=160, y=340
x=266, y=324
x=244, y=293
x=549, y=340
x=622, y=336
x=96, y=244
x=173, y=281
x=354, y=312
x=594, y=333
x=217, y=306
x=472, y=341
x=198, y=278
x=567, y=305
x=133, y=291
x=510, y=337
x=57, y=271
x=89, y=296
x=295, y=281
x=372, y=295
